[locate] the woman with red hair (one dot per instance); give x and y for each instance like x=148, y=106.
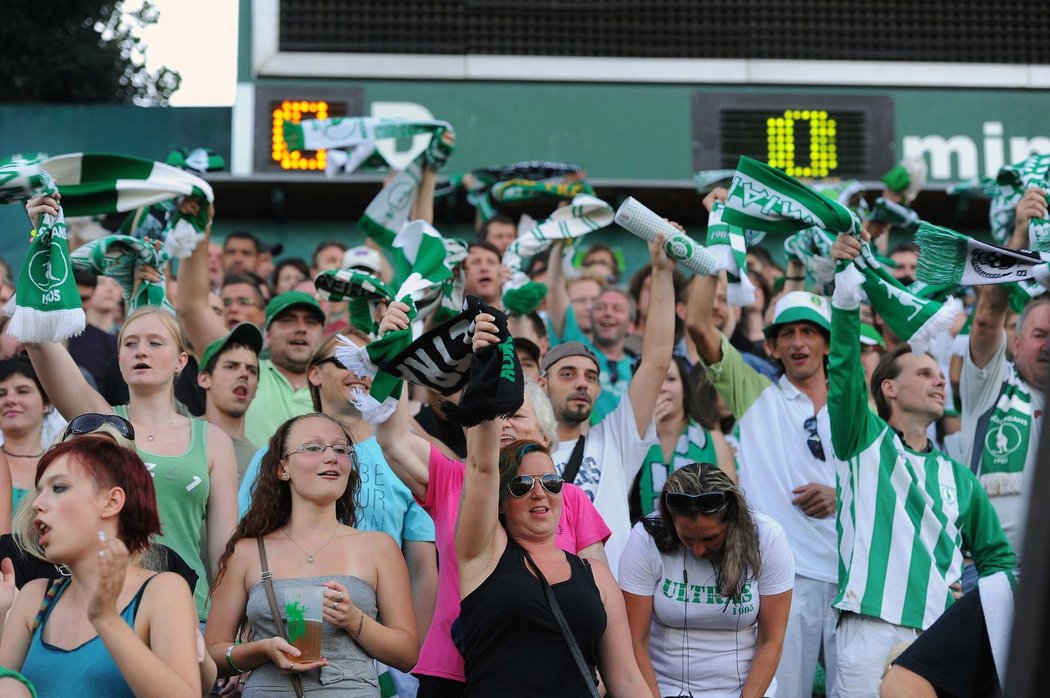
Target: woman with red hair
x=111, y=628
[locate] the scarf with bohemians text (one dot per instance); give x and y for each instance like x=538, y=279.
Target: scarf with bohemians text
x=641, y=221
x=1002, y=441
x=585, y=214
x=771, y=200
x=765, y=198
x=948, y=257
x=545, y=178
x=423, y=247
x=495, y=387
x=1005, y=190
x=728, y=244
x=438, y=360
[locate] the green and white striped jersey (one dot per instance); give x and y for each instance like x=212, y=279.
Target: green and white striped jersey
x=903, y=517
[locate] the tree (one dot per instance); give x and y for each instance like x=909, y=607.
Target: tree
x=72, y=51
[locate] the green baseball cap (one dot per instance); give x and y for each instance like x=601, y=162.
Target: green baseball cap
x=291, y=299
x=245, y=333
x=870, y=336
x=800, y=306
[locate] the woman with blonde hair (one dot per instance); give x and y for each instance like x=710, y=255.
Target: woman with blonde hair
x=707, y=584
x=299, y=531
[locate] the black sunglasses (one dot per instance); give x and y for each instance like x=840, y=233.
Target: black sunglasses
x=92, y=421
x=521, y=485
x=815, y=446
x=705, y=501
x=333, y=359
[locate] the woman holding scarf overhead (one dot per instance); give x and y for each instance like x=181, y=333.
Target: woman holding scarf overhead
x=707, y=584
x=192, y=462
x=506, y=552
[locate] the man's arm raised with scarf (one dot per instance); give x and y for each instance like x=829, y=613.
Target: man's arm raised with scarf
x=407, y=453
x=202, y=325
x=657, y=341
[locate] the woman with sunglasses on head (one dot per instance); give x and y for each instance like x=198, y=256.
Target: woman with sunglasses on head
x=192, y=461
x=506, y=553
x=111, y=628
x=303, y=511
x=707, y=583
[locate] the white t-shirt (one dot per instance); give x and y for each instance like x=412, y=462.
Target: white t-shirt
x=979, y=389
x=612, y=455
x=697, y=634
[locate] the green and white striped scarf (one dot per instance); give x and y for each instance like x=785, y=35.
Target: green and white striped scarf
x=1001, y=444
x=117, y=256
x=585, y=214
x=358, y=134
x=897, y=215
x=423, y=248
x=948, y=257
x=812, y=247
x=641, y=221
x=1005, y=190
x=728, y=244
x=361, y=290
x=544, y=174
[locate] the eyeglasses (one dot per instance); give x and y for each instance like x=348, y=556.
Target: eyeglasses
x=316, y=449
x=242, y=301
x=521, y=485
x=705, y=501
x=815, y=446
x=333, y=360
x=92, y=421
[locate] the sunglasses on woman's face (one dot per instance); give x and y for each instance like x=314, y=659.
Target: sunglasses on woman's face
x=705, y=501
x=92, y=421
x=521, y=485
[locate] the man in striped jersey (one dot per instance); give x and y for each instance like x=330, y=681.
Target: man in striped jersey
x=905, y=510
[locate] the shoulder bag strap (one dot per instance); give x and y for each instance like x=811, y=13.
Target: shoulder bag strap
x=575, y=460
x=297, y=682
x=563, y=625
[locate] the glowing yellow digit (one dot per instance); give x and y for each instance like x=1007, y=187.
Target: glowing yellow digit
x=293, y=113
x=780, y=143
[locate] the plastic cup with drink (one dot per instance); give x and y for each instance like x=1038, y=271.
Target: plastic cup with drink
x=303, y=617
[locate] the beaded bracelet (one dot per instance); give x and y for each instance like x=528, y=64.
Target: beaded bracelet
x=360, y=627
x=229, y=659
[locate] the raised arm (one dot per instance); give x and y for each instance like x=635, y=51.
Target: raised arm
x=407, y=453
x=479, y=536
x=657, y=341
x=698, y=321
x=1032, y=205
x=63, y=382
x=202, y=325
x=989, y=320
x=557, y=295
x=847, y=391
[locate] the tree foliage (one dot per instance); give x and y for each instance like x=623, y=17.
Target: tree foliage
x=72, y=51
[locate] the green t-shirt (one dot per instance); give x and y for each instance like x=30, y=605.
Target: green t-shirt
x=275, y=402
x=182, y=483
x=694, y=446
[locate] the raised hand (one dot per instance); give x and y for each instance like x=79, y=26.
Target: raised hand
x=396, y=318
x=485, y=332
x=41, y=205
x=107, y=584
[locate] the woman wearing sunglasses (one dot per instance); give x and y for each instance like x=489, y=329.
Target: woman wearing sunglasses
x=112, y=627
x=707, y=583
x=505, y=547
x=304, y=510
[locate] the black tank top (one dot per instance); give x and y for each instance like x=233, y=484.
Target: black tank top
x=513, y=644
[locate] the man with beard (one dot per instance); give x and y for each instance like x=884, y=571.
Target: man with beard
x=604, y=459
x=294, y=329
x=229, y=377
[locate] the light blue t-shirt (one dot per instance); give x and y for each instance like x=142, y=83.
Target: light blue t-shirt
x=384, y=502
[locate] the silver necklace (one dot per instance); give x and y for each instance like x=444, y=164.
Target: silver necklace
x=309, y=557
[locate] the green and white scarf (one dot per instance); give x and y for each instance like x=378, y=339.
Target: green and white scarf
x=358, y=134
x=117, y=256
x=388, y=212
x=585, y=214
x=897, y=215
x=641, y=221
x=1002, y=442
x=46, y=305
x=765, y=198
x=948, y=257
x=422, y=247
x=1005, y=190
x=539, y=171
x=812, y=247
x=706, y=180
x=728, y=245
x=361, y=290
x=515, y=191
